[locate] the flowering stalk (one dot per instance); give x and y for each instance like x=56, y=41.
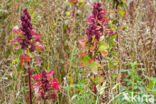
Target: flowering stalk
x=45, y=85
x=26, y=29
x=94, y=47
x=98, y=24
x=30, y=92
x=98, y=29
x=27, y=40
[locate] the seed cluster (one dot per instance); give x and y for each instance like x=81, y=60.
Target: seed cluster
x=26, y=29
x=97, y=21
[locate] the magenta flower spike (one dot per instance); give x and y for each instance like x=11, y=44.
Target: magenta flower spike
x=96, y=22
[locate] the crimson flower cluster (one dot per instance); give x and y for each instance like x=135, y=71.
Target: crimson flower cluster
x=26, y=29
x=97, y=22
x=27, y=37
x=45, y=86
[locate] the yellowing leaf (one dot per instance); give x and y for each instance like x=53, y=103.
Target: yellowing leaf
x=67, y=13
x=113, y=28
x=121, y=12
x=92, y=48
x=85, y=59
x=94, y=66
x=21, y=71
x=102, y=46
x=68, y=3
x=104, y=53
x=123, y=1
x=14, y=61
x=81, y=2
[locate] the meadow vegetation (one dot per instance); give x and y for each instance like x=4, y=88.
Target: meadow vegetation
x=77, y=51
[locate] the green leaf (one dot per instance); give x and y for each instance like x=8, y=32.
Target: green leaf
x=85, y=59
x=86, y=7
x=3, y=11
x=124, y=70
x=101, y=88
x=66, y=23
x=67, y=13
x=116, y=86
x=123, y=88
x=18, y=52
x=74, y=96
x=102, y=46
x=152, y=91
x=80, y=2
x=68, y=3
x=153, y=79
x=121, y=12
x=108, y=0
x=152, y=83
x=113, y=28
x=94, y=67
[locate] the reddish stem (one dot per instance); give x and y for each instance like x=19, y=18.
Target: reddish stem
x=95, y=89
x=44, y=101
x=30, y=94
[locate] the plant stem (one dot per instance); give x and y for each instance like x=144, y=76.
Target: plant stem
x=44, y=101
x=150, y=69
x=30, y=94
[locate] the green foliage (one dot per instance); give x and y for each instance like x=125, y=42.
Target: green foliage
x=117, y=3
x=134, y=88
x=83, y=95
x=151, y=88
x=102, y=88
x=94, y=66
x=86, y=59
x=3, y=14
x=102, y=46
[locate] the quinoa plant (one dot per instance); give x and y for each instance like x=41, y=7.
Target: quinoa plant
x=94, y=46
x=28, y=41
